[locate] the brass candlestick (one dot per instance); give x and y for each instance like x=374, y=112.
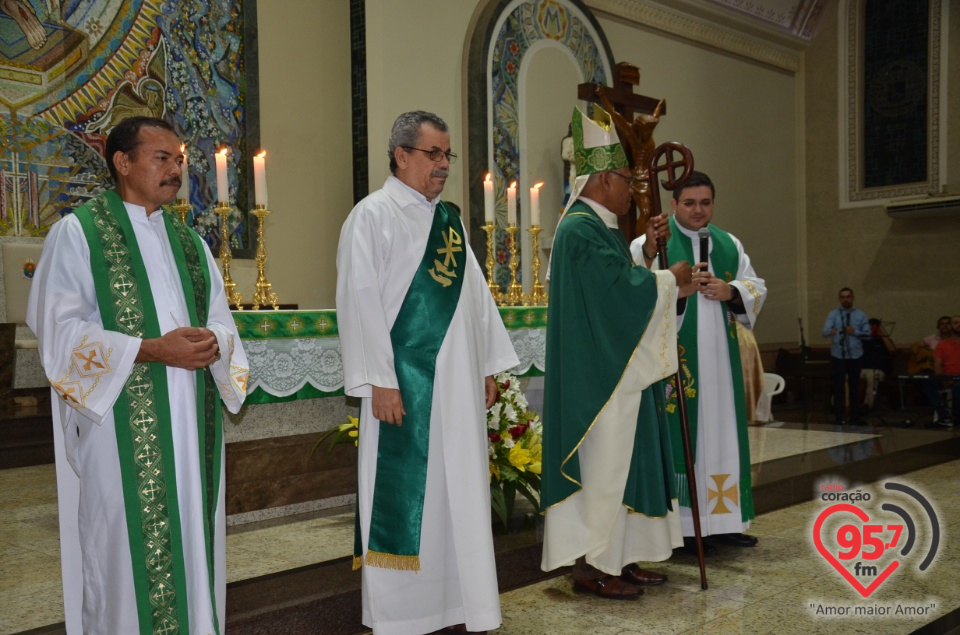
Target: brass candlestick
x=490, y=227
x=515, y=290
x=229, y=286
x=183, y=207
x=264, y=294
x=538, y=294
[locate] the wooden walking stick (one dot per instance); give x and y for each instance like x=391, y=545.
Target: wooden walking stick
x=668, y=152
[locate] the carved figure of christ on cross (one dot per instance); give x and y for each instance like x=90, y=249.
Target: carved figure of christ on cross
x=636, y=136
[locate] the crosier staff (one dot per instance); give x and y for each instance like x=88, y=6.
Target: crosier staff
x=670, y=164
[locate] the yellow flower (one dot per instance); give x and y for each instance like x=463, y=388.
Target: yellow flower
x=689, y=392
x=352, y=422
x=519, y=457
x=494, y=471
x=353, y=425
x=671, y=407
x=536, y=458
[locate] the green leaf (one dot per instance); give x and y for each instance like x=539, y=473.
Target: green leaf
x=530, y=494
x=498, y=504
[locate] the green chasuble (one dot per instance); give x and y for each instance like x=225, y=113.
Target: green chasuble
x=724, y=260
x=600, y=307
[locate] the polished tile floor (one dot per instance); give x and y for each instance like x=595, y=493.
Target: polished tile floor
x=768, y=589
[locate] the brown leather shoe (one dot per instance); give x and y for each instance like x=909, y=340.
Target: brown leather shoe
x=635, y=575
x=609, y=586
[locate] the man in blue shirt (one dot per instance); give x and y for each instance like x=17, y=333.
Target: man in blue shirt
x=845, y=326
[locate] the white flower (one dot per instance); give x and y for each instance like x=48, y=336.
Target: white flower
x=491, y=452
x=508, y=441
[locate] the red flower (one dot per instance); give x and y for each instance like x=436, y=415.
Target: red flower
x=506, y=384
x=494, y=437
x=517, y=431
x=511, y=68
x=514, y=48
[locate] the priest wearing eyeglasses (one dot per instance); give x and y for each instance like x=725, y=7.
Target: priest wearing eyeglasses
x=421, y=339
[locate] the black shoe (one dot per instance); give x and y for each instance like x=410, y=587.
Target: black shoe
x=736, y=540
x=690, y=546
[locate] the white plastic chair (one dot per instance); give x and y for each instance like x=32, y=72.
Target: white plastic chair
x=773, y=384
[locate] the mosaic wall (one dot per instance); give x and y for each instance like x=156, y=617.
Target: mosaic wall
x=527, y=22
x=71, y=69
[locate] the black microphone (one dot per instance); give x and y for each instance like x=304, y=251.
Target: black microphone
x=704, y=235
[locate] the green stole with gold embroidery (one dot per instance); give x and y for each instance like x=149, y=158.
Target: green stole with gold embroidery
x=725, y=261
x=416, y=336
x=142, y=415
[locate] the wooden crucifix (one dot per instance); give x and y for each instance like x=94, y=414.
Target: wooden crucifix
x=636, y=136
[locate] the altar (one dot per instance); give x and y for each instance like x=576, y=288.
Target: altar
x=296, y=354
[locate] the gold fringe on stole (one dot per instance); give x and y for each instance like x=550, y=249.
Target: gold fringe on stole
x=392, y=561
x=357, y=562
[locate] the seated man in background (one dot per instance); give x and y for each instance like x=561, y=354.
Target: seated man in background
x=922, y=359
x=878, y=352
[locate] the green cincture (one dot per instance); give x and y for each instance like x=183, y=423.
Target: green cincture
x=725, y=261
x=142, y=410
x=417, y=334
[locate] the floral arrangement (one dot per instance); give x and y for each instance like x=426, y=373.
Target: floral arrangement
x=515, y=449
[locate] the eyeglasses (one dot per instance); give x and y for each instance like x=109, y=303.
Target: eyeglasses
x=628, y=179
x=436, y=155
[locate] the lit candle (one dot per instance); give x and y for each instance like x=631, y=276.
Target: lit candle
x=184, y=192
x=260, y=178
x=223, y=185
x=512, y=204
x=535, y=204
x=488, y=200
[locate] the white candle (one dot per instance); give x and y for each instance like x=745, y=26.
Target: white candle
x=535, y=204
x=512, y=204
x=184, y=192
x=223, y=185
x=488, y=200
x=260, y=178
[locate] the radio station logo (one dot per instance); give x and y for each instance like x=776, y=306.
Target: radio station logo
x=865, y=547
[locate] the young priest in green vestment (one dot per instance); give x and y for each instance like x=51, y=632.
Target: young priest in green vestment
x=608, y=493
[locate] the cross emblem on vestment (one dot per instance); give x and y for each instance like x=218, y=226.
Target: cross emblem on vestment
x=150, y=490
x=67, y=392
x=265, y=326
x=115, y=253
x=155, y=526
x=294, y=325
x=89, y=361
x=322, y=323
x=166, y=627
x=720, y=493
x=148, y=455
x=140, y=388
x=143, y=421
x=127, y=317
x=452, y=242
x=122, y=284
